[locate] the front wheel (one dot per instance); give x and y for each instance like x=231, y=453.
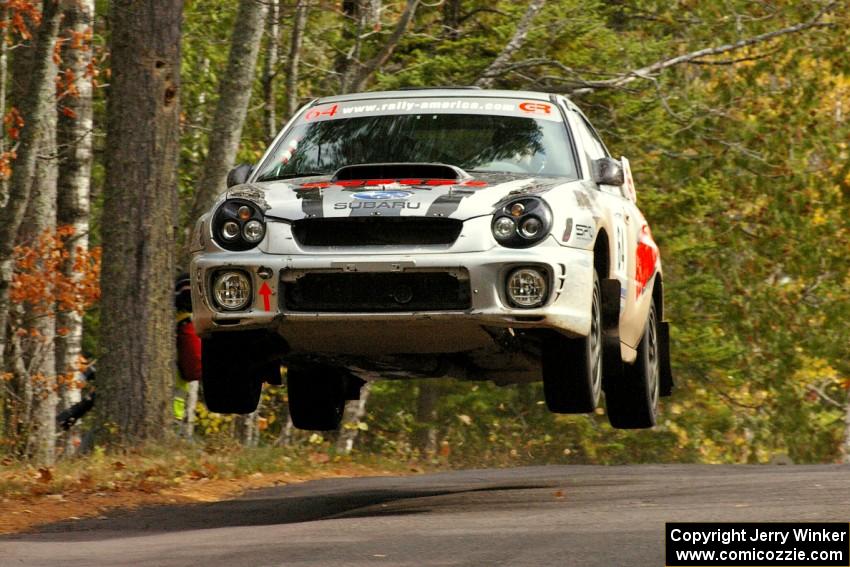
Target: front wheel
x=633, y=400
x=228, y=388
x=572, y=368
x=316, y=398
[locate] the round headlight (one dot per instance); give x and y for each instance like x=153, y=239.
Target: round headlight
x=232, y=290
x=527, y=287
x=253, y=231
x=503, y=227
x=530, y=227
x=230, y=230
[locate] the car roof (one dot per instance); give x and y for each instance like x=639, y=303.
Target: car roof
x=436, y=92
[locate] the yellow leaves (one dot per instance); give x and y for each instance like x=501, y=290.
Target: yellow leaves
x=816, y=370
x=465, y=419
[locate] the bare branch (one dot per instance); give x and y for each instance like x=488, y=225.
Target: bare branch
x=825, y=397
x=498, y=65
x=695, y=56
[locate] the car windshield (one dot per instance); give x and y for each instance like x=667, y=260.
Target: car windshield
x=473, y=142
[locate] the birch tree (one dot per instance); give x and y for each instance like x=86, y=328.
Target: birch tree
x=74, y=140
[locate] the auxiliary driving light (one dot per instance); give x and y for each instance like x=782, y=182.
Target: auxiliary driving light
x=232, y=290
x=504, y=227
x=230, y=230
x=530, y=227
x=253, y=231
x=527, y=287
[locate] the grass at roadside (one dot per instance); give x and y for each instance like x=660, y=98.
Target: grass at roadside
x=179, y=473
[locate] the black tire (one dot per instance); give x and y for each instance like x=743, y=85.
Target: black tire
x=633, y=401
x=316, y=398
x=572, y=368
x=227, y=387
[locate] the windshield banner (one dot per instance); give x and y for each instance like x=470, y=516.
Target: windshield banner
x=437, y=105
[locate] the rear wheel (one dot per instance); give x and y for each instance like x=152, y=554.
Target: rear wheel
x=228, y=388
x=316, y=398
x=572, y=368
x=633, y=401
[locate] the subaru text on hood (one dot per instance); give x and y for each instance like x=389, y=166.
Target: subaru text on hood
x=482, y=235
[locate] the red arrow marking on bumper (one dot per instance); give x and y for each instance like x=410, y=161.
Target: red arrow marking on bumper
x=266, y=291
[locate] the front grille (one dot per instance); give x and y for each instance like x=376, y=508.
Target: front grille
x=371, y=231
x=377, y=292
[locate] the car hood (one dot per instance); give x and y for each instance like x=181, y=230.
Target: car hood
x=316, y=197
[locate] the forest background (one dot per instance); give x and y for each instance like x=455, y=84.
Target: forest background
x=733, y=114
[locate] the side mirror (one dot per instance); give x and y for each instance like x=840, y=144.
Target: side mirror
x=239, y=174
x=608, y=171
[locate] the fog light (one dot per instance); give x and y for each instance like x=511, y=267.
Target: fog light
x=527, y=287
x=232, y=290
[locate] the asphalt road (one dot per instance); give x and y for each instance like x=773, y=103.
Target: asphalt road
x=547, y=516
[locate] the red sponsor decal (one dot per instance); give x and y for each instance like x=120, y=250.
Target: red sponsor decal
x=373, y=182
x=315, y=185
x=437, y=182
x=536, y=107
x=314, y=113
x=350, y=183
x=410, y=181
x=475, y=183
x=646, y=257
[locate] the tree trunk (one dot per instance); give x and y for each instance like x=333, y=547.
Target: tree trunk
x=38, y=346
x=74, y=138
x=355, y=411
x=366, y=70
x=136, y=369
x=425, y=439
x=845, y=447
x=4, y=67
x=234, y=95
x=270, y=69
x=191, y=406
x=451, y=19
x=299, y=24
x=39, y=94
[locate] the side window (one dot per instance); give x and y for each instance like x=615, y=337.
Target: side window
x=593, y=146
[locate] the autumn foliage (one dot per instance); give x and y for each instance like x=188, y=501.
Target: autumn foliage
x=45, y=281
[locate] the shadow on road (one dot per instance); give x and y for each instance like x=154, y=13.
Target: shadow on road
x=271, y=506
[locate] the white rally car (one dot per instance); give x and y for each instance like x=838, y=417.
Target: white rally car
x=483, y=235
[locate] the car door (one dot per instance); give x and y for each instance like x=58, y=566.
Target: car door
x=624, y=223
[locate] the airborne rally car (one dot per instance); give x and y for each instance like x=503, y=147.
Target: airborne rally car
x=483, y=235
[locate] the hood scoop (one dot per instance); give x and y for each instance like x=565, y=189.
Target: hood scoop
x=400, y=171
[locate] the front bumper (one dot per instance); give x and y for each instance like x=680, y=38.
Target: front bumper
x=567, y=308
